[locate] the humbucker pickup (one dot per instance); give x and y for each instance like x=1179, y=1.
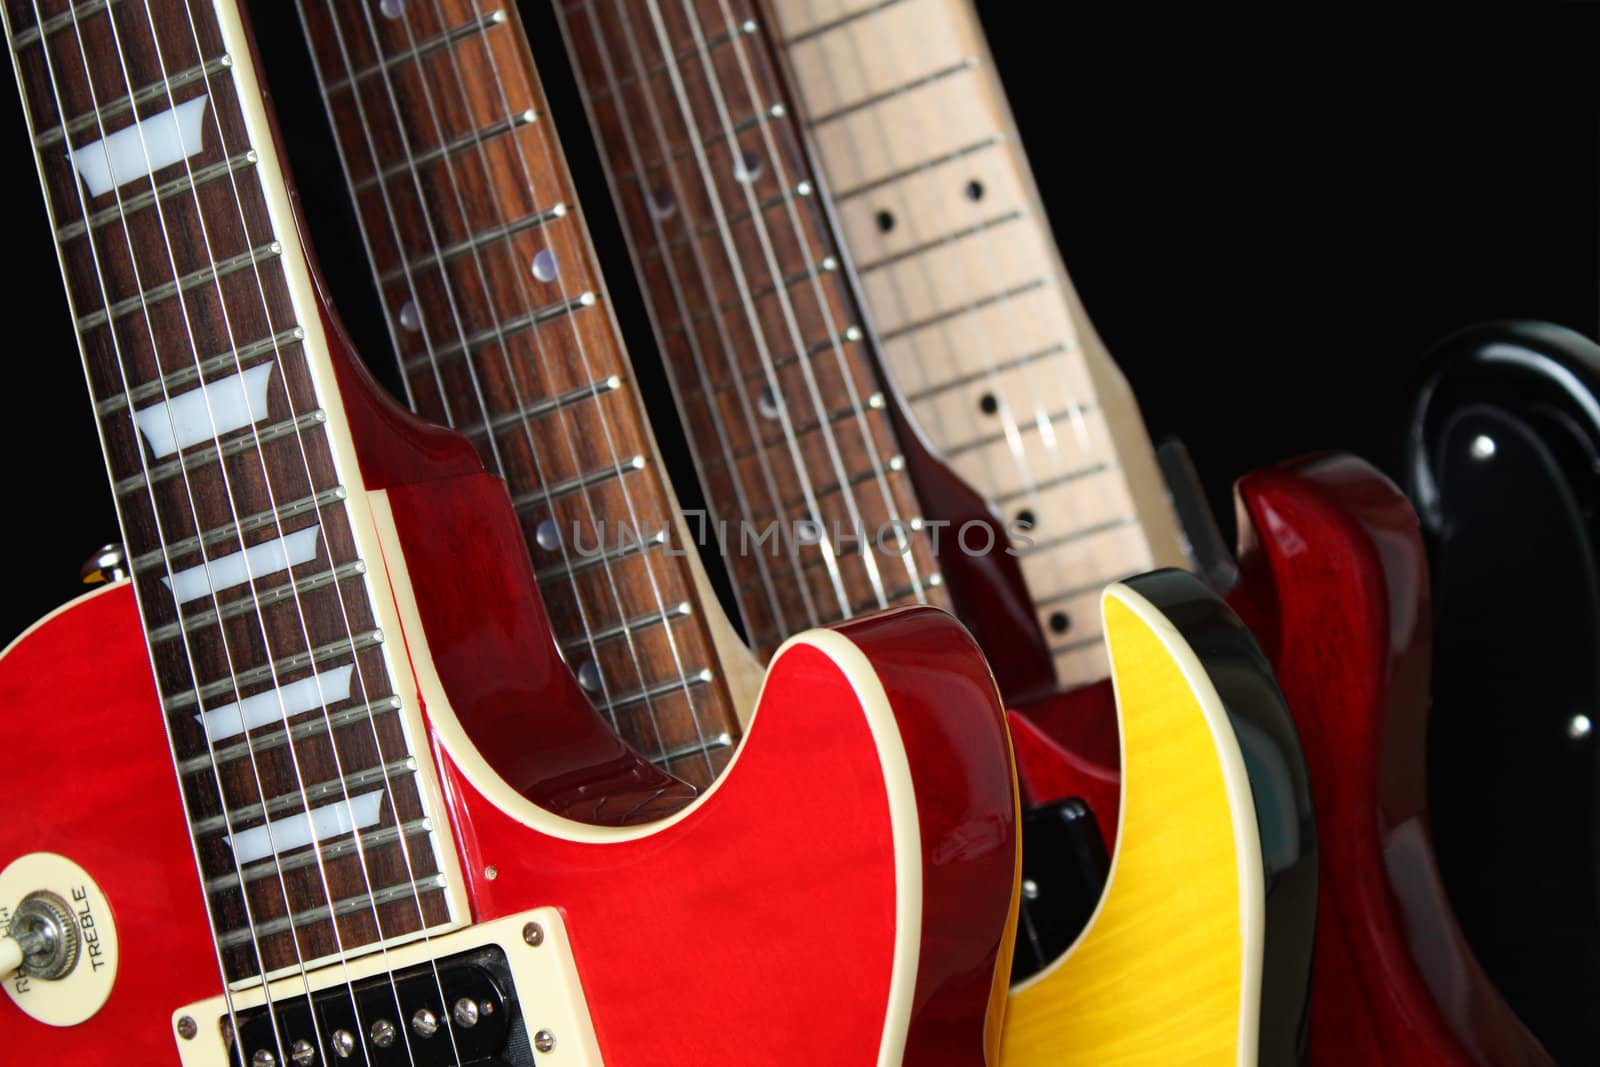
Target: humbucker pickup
x=504, y=992
x=459, y=1010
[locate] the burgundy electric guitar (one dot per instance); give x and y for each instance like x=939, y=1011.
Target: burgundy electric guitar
x=415, y=840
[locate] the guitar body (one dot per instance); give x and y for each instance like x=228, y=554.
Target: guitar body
x=1502, y=456
x=1334, y=584
x=1199, y=950
x=687, y=921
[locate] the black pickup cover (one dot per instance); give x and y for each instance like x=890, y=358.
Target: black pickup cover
x=482, y=975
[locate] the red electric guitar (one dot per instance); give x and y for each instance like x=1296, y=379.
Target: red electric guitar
x=415, y=840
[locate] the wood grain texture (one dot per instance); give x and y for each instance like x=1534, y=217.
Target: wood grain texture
x=499, y=318
x=983, y=332
x=762, y=341
x=1168, y=970
x=180, y=277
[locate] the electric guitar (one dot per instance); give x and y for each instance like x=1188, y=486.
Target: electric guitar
x=1502, y=457
x=987, y=341
x=413, y=835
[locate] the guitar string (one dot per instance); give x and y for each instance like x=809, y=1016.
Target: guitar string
x=876, y=462
x=691, y=338
x=1093, y=556
x=738, y=275
x=1043, y=420
x=588, y=374
x=768, y=256
x=446, y=289
x=358, y=669
x=156, y=515
x=908, y=558
x=267, y=477
x=552, y=166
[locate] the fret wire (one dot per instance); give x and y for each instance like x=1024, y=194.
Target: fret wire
x=967, y=63
x=944, y=240
x=257, y=956
x=583, y=300
x=636, y=155
x=884, y=491
x=679, y=58
x=417, y=52
x=635, y=624
x=938, y=388
x=587, y=300
x=477, y=241
x=374, y=838
x=347, y=906
x=278, y=738
x=56, y=23
x=217, y=271
x=209, y=455
x=272, y=670
x=636, y=158
x=800, y=189
x=305, y=796
x=243, y=356
x=188, y=329
x=839, y=23
x=902, y=87
x=501, y=329
x=257, y=521
x=200, y=72
x=129, y=206
x=263, y=599
x=961, y=448
x=540, y=408
x=957, y=312
x=850, y=193
x=454, y=146
x=869, y=59
x=201, y=692
x=43, y=29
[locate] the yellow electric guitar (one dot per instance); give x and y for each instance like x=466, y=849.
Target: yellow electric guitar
x=1199, y=950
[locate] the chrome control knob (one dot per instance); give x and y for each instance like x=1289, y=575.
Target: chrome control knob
x=43, y=941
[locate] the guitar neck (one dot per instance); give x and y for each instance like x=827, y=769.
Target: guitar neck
x=500, y=321
x=763, y=344
x=981, y=328
x=235, y=483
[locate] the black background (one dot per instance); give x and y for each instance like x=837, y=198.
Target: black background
x=1270, y=220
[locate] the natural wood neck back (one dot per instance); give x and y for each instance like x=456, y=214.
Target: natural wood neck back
x=235, y=483
x=981, y=329
x=499, y=318
x=762, y=341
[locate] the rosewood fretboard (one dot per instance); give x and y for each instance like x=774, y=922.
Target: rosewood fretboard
x=233, y=479
x=500, y=321
x=763, y=344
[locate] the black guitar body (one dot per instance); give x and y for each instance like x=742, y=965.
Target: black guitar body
x=1503, y=464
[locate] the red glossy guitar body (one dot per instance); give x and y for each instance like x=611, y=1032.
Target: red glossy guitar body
x=756, y=896
x=1334, y=585
x=845, y=889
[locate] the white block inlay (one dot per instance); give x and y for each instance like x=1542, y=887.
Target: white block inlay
x=275, y=705
x=142, y=148
x=284, y=835
x=206, y=413
x=258, y=561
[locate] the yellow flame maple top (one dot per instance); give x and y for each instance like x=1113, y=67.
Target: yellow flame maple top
x=1168, y=970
